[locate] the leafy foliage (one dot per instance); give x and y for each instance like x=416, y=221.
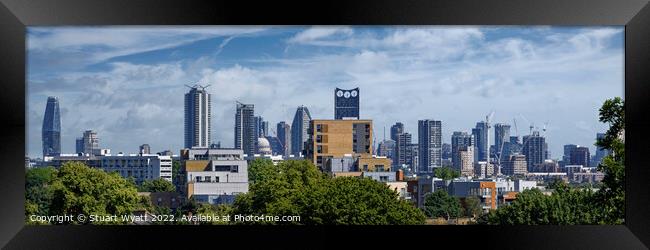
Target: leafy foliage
x=157, y=185
x=79, y=189
x=38, y=191
x=299, y=188
x=441, y=204
x=472, y=206
x=446, y=173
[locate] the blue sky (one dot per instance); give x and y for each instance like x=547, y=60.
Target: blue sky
x=127, y=83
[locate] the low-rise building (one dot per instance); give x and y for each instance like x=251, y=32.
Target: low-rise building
x=214, y=176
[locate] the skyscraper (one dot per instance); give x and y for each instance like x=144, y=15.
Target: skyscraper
x=429, y=145
x=79, y=145
x=346, y=104
x=299, y=133
x=600, y=152
x=566, y=158
x=284, y=135
x=145, y=149
x=480, y=137
x=460, y=141
x=404, y=154
x=501, y=136
x=90, y=142
x=534, y=148
x=245, y=133
x=395, y=130
x=51, y=131
x=198, y=113
x=580, y=156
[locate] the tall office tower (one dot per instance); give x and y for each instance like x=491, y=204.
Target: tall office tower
x=566, y=158
x=299, y=127
x=402, y=149
x=79, y=145
x=466, y=161
x=261, y=127
x=145, y=149
x=460, y=141
x=90, y=142
x=284, y=136
x=346, y=104
x=535, y=150
x=198, y=113
x=395, y=130
x=51, y=131
x=414, y=150
x=514, y=165
x=580, y=156
x=600, y=152
x=446, y=151
x=245, y=134
x=501, y=136
x=429, y=145
x=480, y=133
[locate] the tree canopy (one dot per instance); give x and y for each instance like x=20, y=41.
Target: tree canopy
x=441, y=204
x=446, y=173
x=157, y=185
x=299, y=188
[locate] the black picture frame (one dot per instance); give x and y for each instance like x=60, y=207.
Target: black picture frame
x=16, y=15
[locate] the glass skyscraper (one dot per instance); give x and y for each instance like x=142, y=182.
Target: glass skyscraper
x=299, y=133
x=197, y=117
x=480, y=137
x=51, y=132
x=245, y=128
x=346, y=104
x=429, y=145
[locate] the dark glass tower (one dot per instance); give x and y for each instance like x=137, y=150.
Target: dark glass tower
x=346, y=104
x=52, y=128
x=429, y=145
x=245, y=129
x=299, y=128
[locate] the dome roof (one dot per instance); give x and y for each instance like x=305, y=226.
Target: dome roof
x=263, y=146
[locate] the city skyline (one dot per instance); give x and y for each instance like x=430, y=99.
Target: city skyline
x=460, y=75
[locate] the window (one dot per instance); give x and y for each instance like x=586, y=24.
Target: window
x=383, y=178
x=379, y=168
x=216, y=179
x=208, y=179
x=234, y=169
x=365, y=167
x=319, y=138
x=319, y=149
x=319, y=128
x=199, y=179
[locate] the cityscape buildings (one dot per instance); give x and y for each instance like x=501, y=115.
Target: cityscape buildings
x=480, y=137
x=395, y=130
x=501, y=136
x=51, y=131
x=198, y=115
x=535, y=150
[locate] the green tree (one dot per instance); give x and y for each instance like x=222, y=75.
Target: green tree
x=611, y=195
x=446, y=173
x=299, y=188
x=472, y=207
x=441, y=204
x=38, y=191
x=157, y=185
x=79, y=189
x=260, y=169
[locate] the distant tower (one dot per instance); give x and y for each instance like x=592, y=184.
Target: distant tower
x=461, y=141
x=245, y=134
x=501, y=136
x=346, y=104
x=90, y=142
x=51, y=132
x=429, y=145
x=395, y=130
x=284, y=135
x=480, y=133
x=534, y=148
x=145, y=149
x=299, y=133
x=197, y=117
